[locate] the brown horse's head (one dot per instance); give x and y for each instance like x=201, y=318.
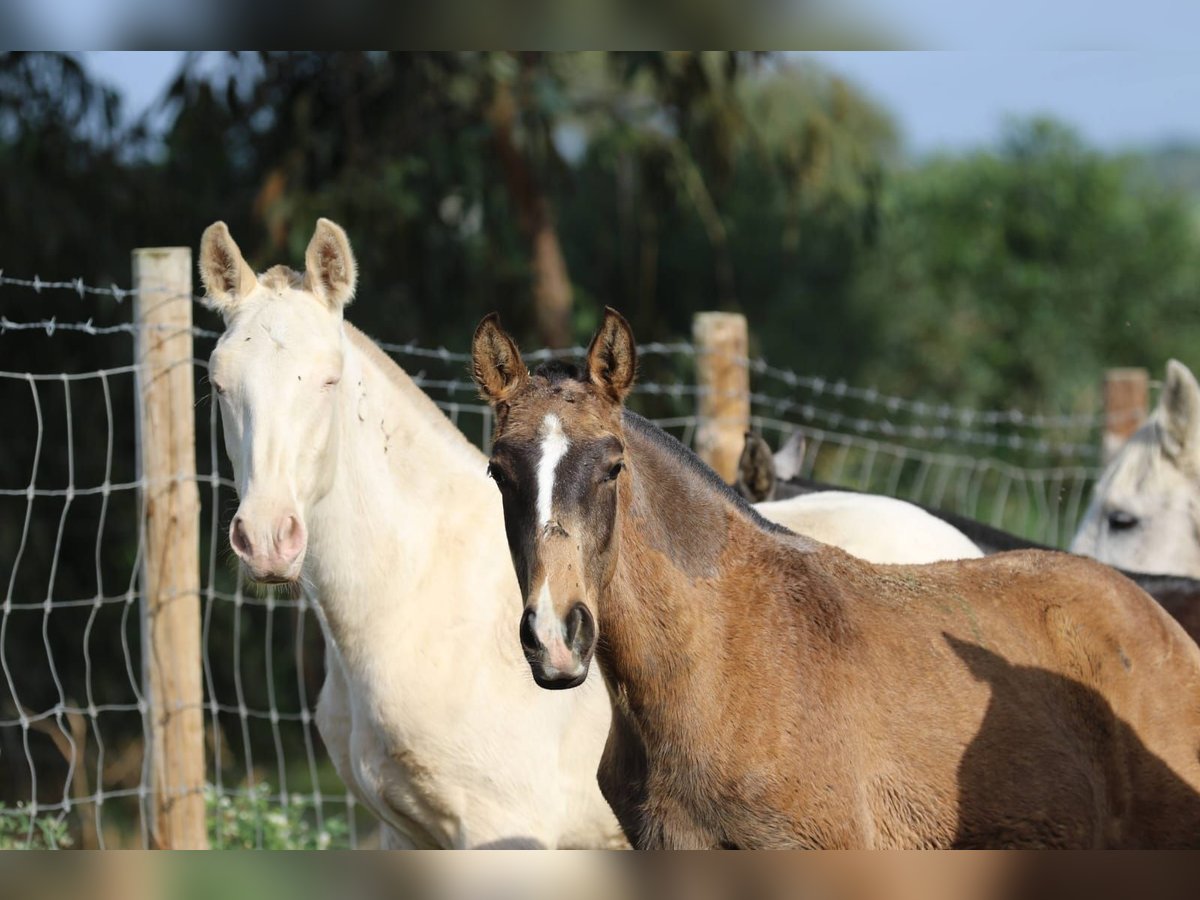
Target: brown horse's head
x=558, y=459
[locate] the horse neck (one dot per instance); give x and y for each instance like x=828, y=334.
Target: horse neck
x=405, y=475
x=686, y=551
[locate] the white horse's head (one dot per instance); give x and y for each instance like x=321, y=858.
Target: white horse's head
x=1145, y=513
x=276, y=372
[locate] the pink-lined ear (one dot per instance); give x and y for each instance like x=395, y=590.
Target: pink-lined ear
x=329, y=265
x=223, y=272
x=496, y=362
x=1179, y=411
x=612, y=356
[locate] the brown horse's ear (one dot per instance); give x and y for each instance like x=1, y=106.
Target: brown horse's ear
x=496, y=362
x=1179, y=411
x=756, y=469
x=225, y=275
x=612, y=356
x=329, y=265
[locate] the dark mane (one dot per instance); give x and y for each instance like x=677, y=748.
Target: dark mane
x=557, y=370
x=690, y=460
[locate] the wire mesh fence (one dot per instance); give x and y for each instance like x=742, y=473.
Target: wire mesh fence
x=74, y=712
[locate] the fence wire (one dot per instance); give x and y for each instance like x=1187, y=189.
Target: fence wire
x=73, y=710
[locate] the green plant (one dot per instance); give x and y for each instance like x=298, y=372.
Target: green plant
x=253, y=819
x=21, y=829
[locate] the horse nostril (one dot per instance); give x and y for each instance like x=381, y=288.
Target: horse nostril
x=289, y=539
x=581, y=628
x=528, y=639
x=238, y=539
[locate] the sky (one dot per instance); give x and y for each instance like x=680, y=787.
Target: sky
x=960, y=99
x=942, y=101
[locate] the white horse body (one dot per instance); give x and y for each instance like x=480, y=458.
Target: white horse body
x=875, y=528
x=1145, y=511
x=352, y=480
x=449, y=741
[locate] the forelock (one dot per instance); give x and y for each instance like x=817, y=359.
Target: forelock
x=556, y=371
x=282, y=278
x=1139, y=465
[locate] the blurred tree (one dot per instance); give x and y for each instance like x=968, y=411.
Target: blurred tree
x=756, y=194
x=1014, y=277
x=450, y=162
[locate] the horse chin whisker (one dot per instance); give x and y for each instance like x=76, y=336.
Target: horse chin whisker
x=294, y=590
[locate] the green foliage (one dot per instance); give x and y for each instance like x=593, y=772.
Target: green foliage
x=1012, y=278
x=20, y=829
x=253, y=820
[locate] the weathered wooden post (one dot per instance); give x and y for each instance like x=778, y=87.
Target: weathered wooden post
x=170, y=577
x=722, y=347
x=1126, y=403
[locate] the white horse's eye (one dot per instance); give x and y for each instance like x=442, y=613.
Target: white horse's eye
x=332, y=382
x=1120, y=520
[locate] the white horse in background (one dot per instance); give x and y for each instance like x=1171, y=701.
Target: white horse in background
x=871, y=526
x=1145, y=511
x=875, y=528
x=353, y=482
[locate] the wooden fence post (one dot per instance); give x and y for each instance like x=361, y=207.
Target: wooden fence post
x=170, y=577
x=722, y=348
x=1126, y=403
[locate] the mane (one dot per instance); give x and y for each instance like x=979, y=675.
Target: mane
x=1139, y=460
x=401, y=380
x=555, y=371
x=689, y=460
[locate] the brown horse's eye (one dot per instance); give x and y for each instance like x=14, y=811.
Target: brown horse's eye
x=615, y=471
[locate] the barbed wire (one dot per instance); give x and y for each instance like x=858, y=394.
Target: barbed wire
x=75, y=284
x=814, y=384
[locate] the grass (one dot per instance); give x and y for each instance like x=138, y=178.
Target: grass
x=254, y=820
x=21, y=829
x=249, y=819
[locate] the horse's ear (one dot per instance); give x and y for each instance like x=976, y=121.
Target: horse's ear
x=1179, y=411
x=756, y=469
x=225, y=275
x=789, y=461
x=612, y=356
x=496, y=362
x=329, y=265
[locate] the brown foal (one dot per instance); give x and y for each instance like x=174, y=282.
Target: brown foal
x=770, y=691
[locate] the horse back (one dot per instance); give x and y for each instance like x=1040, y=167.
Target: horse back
x=1067, y=683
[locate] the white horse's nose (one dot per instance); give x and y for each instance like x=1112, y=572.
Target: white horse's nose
x=273, y=552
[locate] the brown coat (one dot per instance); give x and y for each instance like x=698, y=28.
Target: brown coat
x=784, y=693
x=770, y=691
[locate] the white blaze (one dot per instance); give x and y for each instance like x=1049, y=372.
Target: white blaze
x=554, y=447
x=548, y=628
